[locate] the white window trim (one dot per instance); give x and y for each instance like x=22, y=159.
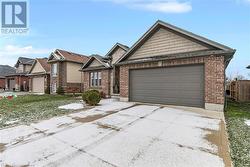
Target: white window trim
x=95, y=79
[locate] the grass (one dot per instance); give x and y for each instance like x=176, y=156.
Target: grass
x=30, y=108
x=239, y=133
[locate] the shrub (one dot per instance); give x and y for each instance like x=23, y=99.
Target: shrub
x=91, y=97
x=60, y=90
x=47, y=90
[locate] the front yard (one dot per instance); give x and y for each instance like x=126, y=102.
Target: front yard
x=30, y=108
x=239, y=132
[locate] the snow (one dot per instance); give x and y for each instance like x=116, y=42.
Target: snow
x=141, y=136
x=247, y=122
x=54, y=124
x=72, y=106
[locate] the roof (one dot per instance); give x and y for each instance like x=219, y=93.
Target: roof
x=63, y=55
x=176, y=56
x=160, y=23
x=248, y=67
x=44, y=64
x=6, y=70
x=103, y=60
x=124, y=47
x=24, y=60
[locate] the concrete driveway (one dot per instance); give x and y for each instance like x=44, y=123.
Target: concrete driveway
x=120, y=134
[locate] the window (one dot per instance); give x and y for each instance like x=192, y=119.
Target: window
x=95, y=79
x=54, y=69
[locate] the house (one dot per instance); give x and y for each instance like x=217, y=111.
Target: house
x=19, y=81
x=101, y=73
x=65, y=71
x=169, y=65
x=5, y=70
x=39, y=76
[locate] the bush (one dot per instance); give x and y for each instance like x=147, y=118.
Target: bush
x=60, y=90
x=47, y=90
x=91, y=97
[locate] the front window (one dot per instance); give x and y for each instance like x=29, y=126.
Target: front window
x=54, y=69
x=95, y=79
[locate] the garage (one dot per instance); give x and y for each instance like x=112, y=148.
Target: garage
x=38, y=85
x=179, y=85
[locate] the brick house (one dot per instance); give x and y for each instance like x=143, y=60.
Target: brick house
x=65, y=72
x=169, y=65
x=5, y=70
x=39, y=76
x=100, y=73
x=19, y=81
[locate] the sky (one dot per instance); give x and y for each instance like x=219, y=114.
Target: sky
x=94, y=26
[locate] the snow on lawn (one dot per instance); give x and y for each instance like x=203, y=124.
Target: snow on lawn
x=72, y=106
x=247, y=122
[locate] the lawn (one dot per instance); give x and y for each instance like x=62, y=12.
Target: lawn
x=30, y=108
x=239, y=133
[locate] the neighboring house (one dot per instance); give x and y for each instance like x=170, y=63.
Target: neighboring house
x=5, y=70
x=100, y=72
x=39, y=76
x=19, y=80
x=169, y=65
x=65, y=71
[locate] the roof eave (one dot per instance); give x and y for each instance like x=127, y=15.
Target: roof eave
x=179, y=56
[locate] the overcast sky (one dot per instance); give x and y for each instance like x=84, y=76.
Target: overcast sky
x=94, y=26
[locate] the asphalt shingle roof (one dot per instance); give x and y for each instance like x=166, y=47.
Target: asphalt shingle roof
x=6, y=70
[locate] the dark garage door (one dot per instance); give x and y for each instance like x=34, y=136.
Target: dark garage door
x=180, y=85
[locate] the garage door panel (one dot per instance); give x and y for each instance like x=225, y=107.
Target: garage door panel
x=38, y=85
x=183, y=85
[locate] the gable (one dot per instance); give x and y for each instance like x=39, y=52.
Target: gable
x=37, y=68
x=117, y=54
x=95, y=63
x=164, y=42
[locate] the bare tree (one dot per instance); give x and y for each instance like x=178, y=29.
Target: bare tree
x=239, y=77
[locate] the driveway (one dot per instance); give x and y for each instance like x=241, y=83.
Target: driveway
x=120, y=134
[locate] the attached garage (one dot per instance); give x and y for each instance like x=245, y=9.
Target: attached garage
x=169, y=65
x=180, y=85
x=40, y=76
x=38, y=85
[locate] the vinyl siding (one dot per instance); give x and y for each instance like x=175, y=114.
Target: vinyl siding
x=95, y=63
x=164, y=42
x=73, y=73
x=37, y=68
x=117, y=54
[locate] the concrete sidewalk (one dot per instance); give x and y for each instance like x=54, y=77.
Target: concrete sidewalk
x=119, y=134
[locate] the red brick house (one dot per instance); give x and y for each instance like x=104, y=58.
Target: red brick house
x=65, y=71
x=169, y=65
x=39, y=76
x=5, y=70
x=19, y=81
x=101, y=73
